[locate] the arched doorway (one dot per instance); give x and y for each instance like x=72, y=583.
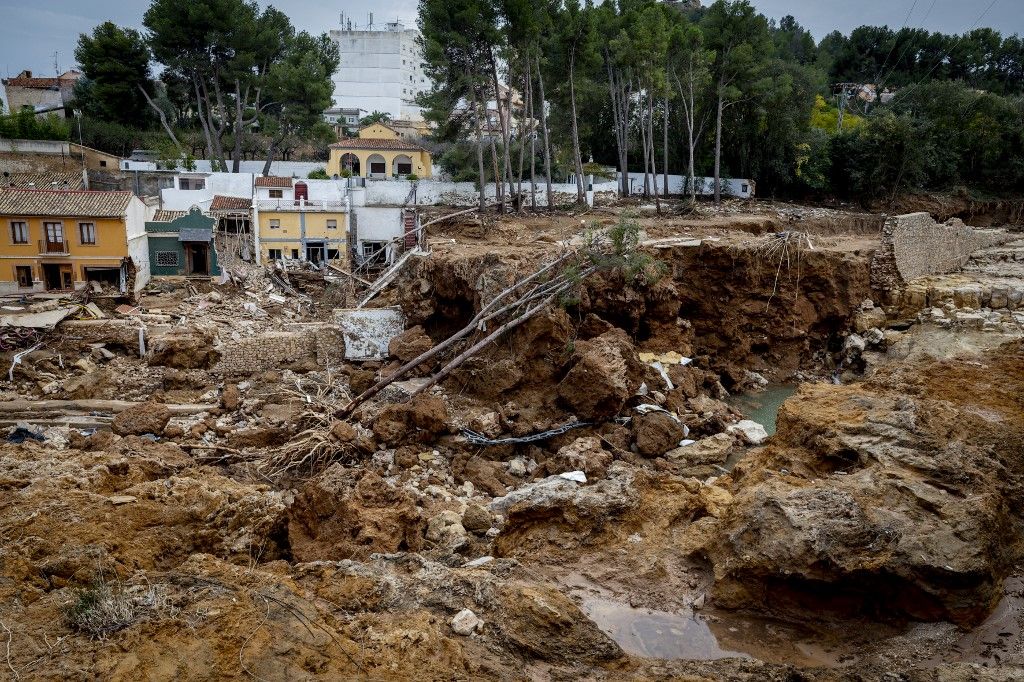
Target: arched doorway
x=377, y=166
x=402, y=165
x=350, y=162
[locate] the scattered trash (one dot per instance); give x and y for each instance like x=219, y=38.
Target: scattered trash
x=480, y=439
x=577, y=476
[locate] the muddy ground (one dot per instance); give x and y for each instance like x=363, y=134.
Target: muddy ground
x=186, y=515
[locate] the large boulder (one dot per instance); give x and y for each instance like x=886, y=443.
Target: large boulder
x=606, y=373
x=422, y=420
x=140, y=419
x=655, y=433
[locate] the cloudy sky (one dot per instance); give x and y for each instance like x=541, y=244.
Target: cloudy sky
x=31, y=32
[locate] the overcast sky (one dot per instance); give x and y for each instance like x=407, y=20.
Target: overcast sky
x=30, y=32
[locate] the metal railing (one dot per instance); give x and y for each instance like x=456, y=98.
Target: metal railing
x=300, y=205
x=53, y=248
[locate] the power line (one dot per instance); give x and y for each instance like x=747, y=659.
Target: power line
x=905, y=48
x=893, y=48
x=908, y=90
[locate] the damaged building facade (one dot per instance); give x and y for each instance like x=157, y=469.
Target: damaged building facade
x=61, y=240
x=183, y=246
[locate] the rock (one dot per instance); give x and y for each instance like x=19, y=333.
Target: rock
x=866, y=319
x=517, y=467
x=410, y=344
x=853, y=346
x=715, y=500
x=173, y=431
x=704, y=453
x=141, y=419
x=752, y=432
x=421, y=419
x=118, y=500
x=484, y=474
x=191, y=349
x=583, y=454
x=446, y=530
x=476, y=519
x=86, y=365
x=487, y=423
x=606, y=373
x=656, y=432
x=482, y=561
x=466, y=623
x=231, y=398
x=360, y=380
x=874, y=337
x=577, y=476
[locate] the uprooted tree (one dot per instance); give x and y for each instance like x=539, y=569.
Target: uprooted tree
x=614, y=249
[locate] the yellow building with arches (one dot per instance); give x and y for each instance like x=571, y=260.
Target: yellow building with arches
x=379, y=152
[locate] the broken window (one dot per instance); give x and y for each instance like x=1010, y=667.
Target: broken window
x=19, y=233
x=274, y=254
x=167, y=259
x=87, y=233
x=23, y=273
x=333, y=254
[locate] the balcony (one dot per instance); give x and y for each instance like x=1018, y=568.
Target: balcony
x=53, y=248
x=301, y=205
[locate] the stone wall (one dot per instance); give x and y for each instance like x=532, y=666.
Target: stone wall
x=914, y=245
x=303, y=348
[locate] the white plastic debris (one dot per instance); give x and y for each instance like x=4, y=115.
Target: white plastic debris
x=577, y=476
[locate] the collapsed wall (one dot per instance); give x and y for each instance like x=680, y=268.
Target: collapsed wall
x=302, y=348
x=915, y=245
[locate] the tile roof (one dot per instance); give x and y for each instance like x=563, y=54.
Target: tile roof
x=273, y=181
x=46, y=180
x=222, y=203
x=361, y=143
x=164, y=216
x=55, y=202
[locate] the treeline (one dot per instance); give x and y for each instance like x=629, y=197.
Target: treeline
x=719, y=91
x=236, y=82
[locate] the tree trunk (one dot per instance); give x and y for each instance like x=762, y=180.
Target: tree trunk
x=522, y=139
x=479, y=149
x=650, y=138
x=664, y=155
x=547, y=139
x=271, y=151
x=533, y=142
x=580, y=192
x=718, y=149
x=236, y=156
x=163, y=119
x=504, y=122
x=643, y=145
x=499, y=194
x=207, y=133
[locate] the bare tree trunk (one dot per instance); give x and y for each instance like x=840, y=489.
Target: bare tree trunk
x=718, y=149
x=547, y=138
x=580, y=194
x=236, y=156
x=218, y=149
x=643, y=143
x=650, y=139
x=533, y=142
x=271, y=151
x=207, y=133
x=504, y=122
x=499, y=193
x=522, y=139
x=163, y=118
x=664, y=155
x=479, y=148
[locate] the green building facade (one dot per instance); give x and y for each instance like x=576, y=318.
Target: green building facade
x=183, y=246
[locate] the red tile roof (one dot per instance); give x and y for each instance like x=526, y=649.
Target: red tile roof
x=32, y=82
x=60, y=203
x=273, y=181
x=50, y=180
x=360, y=143
x=164, y=215
x=222, y=203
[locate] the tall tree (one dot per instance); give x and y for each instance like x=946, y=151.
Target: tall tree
x=690, y=71
x=740, y=40
x=116, y=61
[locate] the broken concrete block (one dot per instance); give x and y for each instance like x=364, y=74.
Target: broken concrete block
x=466, y=623
x=750, y=431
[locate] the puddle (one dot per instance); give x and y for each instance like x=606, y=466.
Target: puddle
x=763, y=406
x=657, y=634
x=690, y=636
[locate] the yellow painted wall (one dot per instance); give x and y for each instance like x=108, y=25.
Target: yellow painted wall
x=111, y=245
x=377, y=131
x=290, y=230
x=422, y=165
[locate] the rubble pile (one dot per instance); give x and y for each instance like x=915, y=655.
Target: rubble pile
x=580, y=498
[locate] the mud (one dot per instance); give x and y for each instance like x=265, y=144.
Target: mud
x=231, y=525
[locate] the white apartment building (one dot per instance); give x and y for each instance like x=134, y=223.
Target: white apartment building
x=380, y=69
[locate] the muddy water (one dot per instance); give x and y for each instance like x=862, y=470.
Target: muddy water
x=691, y=636
x=763, y=406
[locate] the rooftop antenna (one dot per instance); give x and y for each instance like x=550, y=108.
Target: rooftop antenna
x=56, y=67
x=371, y=21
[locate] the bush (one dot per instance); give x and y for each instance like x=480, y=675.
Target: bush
x=412, y=177
x=346, y=173
x=318, y=174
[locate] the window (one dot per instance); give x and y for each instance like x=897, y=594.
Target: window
x=54, y=233
x=276, y=193
x=103, y=164
x=378, y=168
x=295, y=254
x=87, y=233
x=167, y=259
x=371, y=249
x=333, y=254
x=332, y=224
x=23, y=273
x=746, y=188
x=274, y=254
x=19, y=233
x=275, y=224
x=192, y=183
